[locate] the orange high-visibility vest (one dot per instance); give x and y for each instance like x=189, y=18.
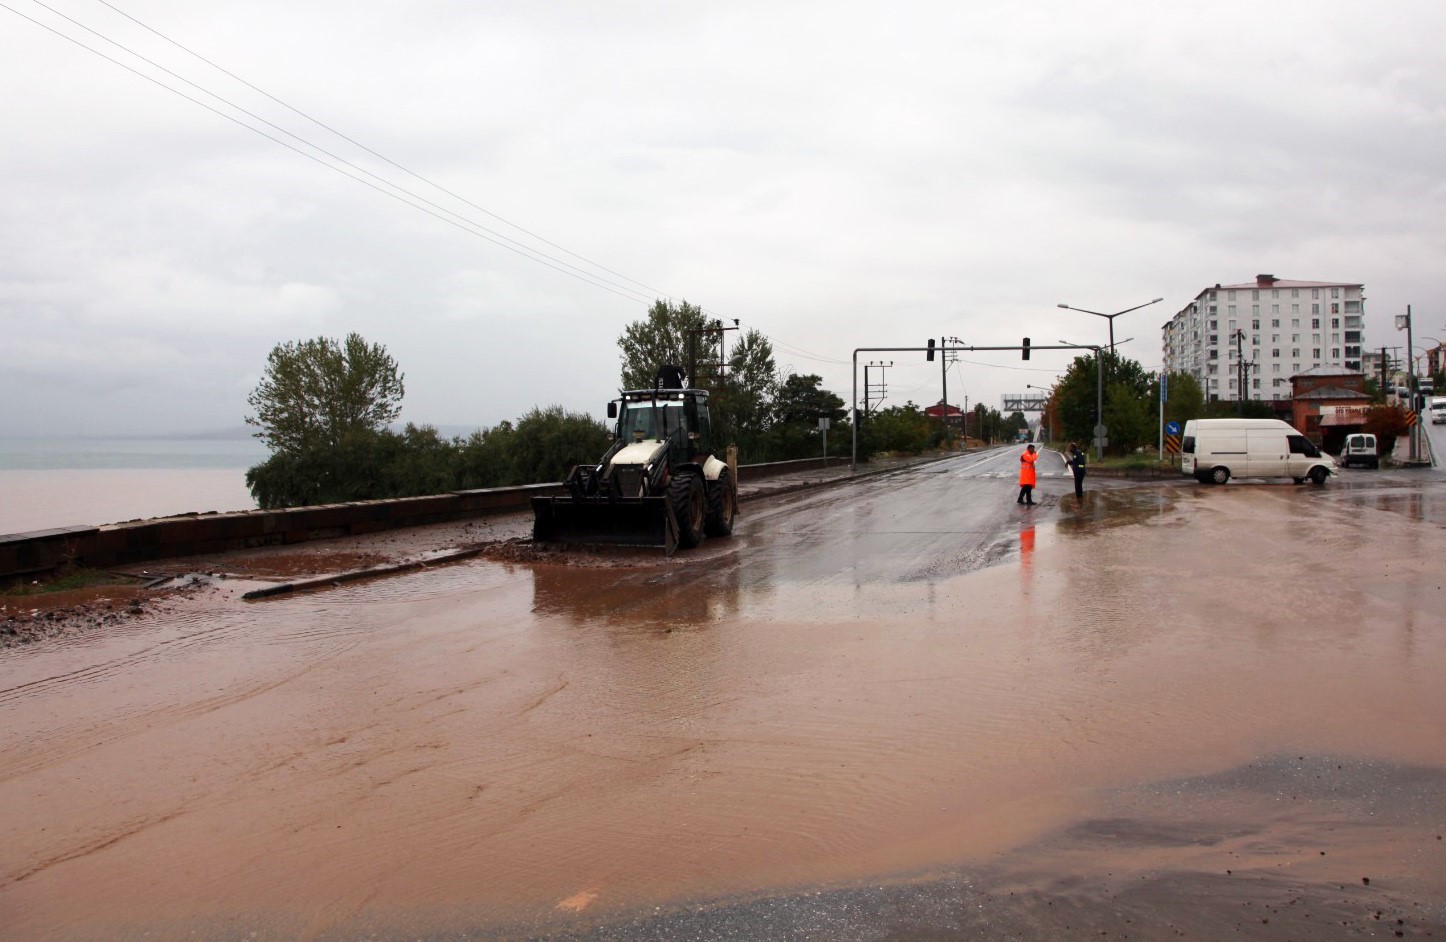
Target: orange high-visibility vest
x=1026, y=468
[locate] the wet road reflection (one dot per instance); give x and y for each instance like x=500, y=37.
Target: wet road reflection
x=887, y=678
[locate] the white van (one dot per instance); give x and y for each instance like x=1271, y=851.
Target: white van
x=1438, y=410
x=1215, y=450
x=1360, y=448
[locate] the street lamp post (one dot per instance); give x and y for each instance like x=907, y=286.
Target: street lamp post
x=1110, y=317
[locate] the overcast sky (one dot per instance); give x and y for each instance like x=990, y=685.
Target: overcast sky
x=833, y=174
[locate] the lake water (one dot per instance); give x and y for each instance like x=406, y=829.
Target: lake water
x=55, y=482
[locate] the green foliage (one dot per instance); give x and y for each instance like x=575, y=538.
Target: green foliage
x=1131, y=400
x=1187, y=399
x=549, y=442
x=1238, y=409
x=320, y=394
x=900, y=429
x=1387, y=423
x=989, y=425
x=741, y=407
x=543, y=446
x=659, y=339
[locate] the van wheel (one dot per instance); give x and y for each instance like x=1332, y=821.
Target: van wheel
x=1318, y=475
x=1219, y=475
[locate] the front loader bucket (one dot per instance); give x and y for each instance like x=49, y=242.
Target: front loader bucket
x=645, y=521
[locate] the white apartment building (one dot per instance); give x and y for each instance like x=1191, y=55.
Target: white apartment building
x=1263, y=333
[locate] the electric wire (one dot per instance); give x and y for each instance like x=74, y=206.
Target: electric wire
x=520, y=248
x=374, y=153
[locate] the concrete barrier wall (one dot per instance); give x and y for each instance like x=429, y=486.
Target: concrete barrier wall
x=43, y=551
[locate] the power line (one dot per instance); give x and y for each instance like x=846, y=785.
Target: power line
x=515, y=246
x=369, y=150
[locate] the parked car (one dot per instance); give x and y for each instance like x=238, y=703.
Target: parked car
x=1214, y=450
x=1360, y=449
x=1438, y=410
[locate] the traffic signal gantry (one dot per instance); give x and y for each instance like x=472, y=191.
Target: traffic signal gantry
x=1024, y=350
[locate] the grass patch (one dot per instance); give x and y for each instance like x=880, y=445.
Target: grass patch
x=67, y=581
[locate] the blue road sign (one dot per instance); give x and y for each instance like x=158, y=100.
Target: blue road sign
x=1172, y=428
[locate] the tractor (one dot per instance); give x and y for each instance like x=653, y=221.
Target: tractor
x=660, y=484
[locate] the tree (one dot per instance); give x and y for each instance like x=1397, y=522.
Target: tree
x=1129, y=397
x=803, y=400
x=659, y=339
x=741, y=406
x=317, y=394
x=1187, y=399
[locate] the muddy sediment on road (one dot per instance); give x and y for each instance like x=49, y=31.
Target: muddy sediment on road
x=1153, y=715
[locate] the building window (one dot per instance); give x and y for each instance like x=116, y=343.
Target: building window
x=1275, y=338
x=1255, y=382
x=1255, y=294
x=1214, y=325
x=1295, y=352
x=1294, y=368
x=1230, y=294
x=1335, y=323
x=1335, y=353
x=1212, y=295
x=1295, y=309
x=1335, y=308
x=1295, y=338
x=1275, y=368
x=1214, y=354
x=1255, y=324
x=1295, y=322
x=1275, y=352
x=1212, y=310
x=1232, y=326
x=1315, y=292
x=1275, y=309
x=1294, y=293
x=1214, y=338
x=1315, y=353
x=1230, y=309
x=1315, y=322
x=1275, y=321
x=1353, y=307
x=1335, y=292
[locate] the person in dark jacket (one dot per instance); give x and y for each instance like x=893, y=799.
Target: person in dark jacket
x=1076, y=462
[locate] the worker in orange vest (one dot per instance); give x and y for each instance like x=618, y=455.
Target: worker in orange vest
x=1026, y=476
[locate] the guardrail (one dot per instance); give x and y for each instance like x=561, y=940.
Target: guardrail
x=44, y=551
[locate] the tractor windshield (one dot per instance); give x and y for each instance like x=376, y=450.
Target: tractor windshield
x=641, y=421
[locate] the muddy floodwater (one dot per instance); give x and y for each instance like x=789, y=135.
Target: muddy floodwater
x=1216, y=711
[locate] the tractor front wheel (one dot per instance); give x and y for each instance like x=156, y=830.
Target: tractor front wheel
x=685, y=493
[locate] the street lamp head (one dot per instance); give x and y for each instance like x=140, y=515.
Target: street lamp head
x=1157, y=300
x=1065, y=306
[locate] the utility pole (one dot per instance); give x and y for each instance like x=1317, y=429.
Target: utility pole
x=882, y=385
x=1239, y=369
x=715, y=331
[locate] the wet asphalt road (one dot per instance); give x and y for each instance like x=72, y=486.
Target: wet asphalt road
x=899, y=708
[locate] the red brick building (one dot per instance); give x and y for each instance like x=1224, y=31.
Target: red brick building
x=1327, y=403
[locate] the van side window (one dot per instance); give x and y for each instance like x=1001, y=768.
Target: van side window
x=1187, y=446
x=1300, y=445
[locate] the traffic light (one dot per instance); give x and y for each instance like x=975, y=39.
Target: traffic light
x=931, y=349
x=1024, y=350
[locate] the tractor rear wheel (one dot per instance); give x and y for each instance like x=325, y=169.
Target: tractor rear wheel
x=685, y=493
x=722, y=500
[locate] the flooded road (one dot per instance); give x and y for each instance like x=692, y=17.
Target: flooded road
x=898, y=705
